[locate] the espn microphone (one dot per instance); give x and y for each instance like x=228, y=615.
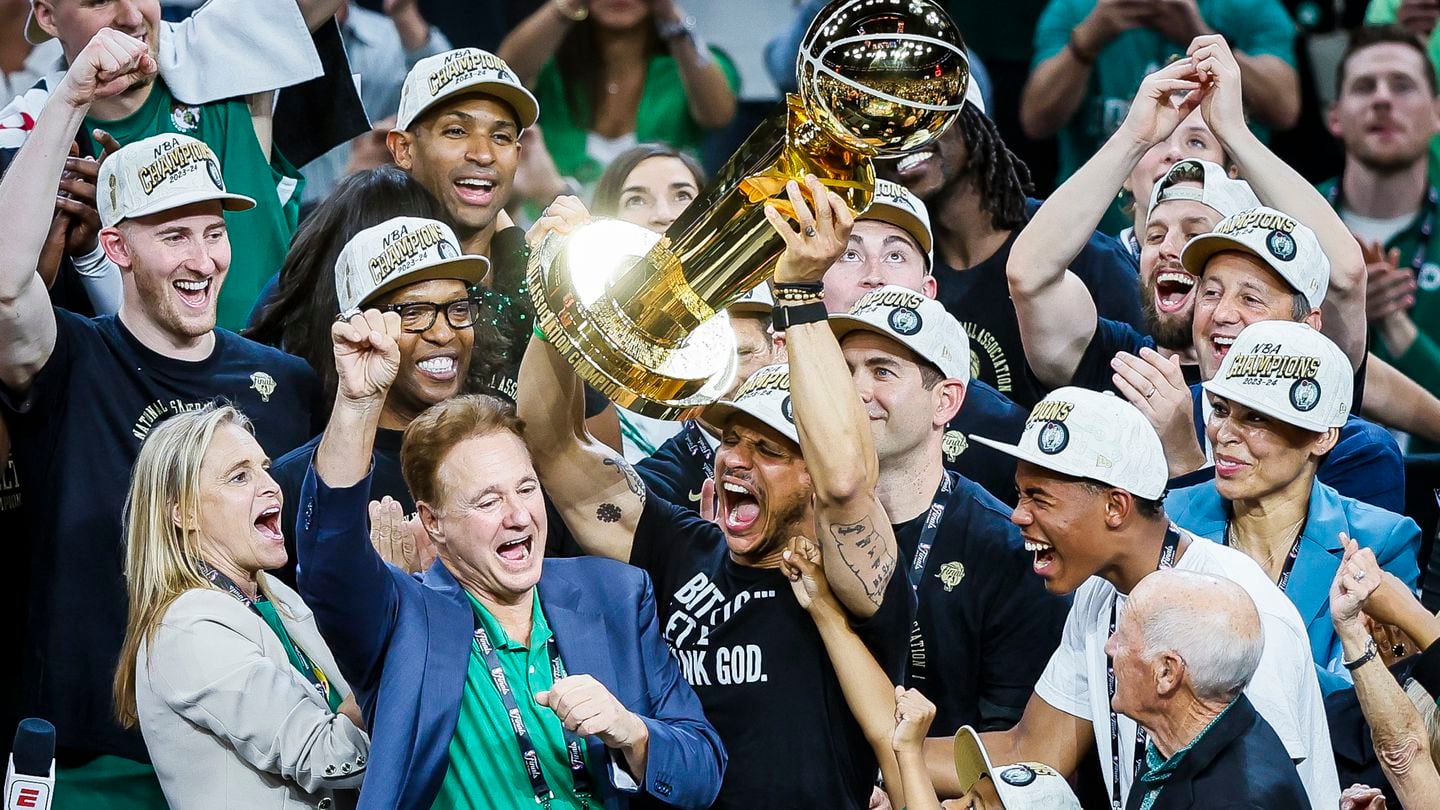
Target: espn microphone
x=30, y=778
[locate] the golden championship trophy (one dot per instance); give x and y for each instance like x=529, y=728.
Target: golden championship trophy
x=641, y=316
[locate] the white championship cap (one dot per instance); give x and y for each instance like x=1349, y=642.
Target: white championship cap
x=1217, y=189
x=1020, y=786
x=1087, y=434
x=972, y=94
x=1287, y=371
x=765, y=396
x=465, y=70
x=893, y=203
x=758, y=301
x=1277, y=239
x=397, y=253
x=160, y=173
x=920, y=324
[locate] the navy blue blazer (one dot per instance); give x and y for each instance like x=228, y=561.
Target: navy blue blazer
x=403, y=643
x=1395, y=539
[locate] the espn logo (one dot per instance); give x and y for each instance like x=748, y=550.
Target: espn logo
x=24, y=793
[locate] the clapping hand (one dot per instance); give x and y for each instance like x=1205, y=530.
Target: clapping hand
x=403, y=543
x=1357, y=578
x=1155, y=385
x=367, y=356
x=110, y=64
x=1389, y=290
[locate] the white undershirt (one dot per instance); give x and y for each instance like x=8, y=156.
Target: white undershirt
x=1380, y=230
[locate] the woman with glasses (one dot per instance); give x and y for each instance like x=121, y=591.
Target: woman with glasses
x=238, y=697
x=1276, y=405
x=412, y=269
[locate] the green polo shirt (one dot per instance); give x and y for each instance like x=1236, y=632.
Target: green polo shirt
x=486, y=772
x=1158, y=769
x=1421, y=362
x=1255, y=27
x=260, y=237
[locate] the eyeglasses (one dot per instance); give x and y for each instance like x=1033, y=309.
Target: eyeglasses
x=419, y=316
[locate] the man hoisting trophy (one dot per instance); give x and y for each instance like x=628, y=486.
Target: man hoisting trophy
x=641, y=317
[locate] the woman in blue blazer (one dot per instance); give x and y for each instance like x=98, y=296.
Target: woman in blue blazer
x=1281, y=394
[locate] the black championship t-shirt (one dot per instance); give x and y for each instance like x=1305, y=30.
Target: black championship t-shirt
x=987, y=626
x=979, y=297
x=756, y=660
x=76, y=434
x=677, y=469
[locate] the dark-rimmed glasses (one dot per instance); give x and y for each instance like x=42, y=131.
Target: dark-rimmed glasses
x=419, y=316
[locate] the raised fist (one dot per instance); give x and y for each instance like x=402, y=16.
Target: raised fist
x=110, y=64
x=367, y=356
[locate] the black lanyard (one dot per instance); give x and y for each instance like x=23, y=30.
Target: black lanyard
x=1168, y=548
x=1290, y=558
x=307, y=668
x=529, y=759
x=932, y=525
x=1427, y=222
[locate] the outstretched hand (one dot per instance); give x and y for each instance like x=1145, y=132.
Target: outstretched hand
x=822, y=235
x=110, y=64
x=367, y=355
x=1221, y=104
x=1164, y=99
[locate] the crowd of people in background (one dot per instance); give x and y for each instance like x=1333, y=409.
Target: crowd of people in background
x=1092, y=465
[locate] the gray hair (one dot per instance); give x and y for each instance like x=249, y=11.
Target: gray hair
x=1208, y=621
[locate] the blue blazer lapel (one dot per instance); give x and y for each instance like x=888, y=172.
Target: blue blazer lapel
x=1320, y=554
x=580, y=633
x=451, y=623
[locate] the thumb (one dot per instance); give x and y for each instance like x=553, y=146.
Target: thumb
x=543, y=698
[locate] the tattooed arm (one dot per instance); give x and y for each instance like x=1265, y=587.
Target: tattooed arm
x=596, y=491
x=856, y=543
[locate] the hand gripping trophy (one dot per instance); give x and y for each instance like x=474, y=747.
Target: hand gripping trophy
x=641, y=316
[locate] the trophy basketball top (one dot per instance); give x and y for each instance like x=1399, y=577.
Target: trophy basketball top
x=882, y=77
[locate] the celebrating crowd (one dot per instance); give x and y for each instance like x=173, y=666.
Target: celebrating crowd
x=1116, y=498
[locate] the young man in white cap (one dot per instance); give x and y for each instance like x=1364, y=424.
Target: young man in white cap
x=680, y=466
x=1091, y=476
x=985, y=625
x=80, y=395
x=1317, y=268
x=215, y=84
x=413, y=267
x=977, y=192
x=892, y=244
x=796, y=453
x=458, y=133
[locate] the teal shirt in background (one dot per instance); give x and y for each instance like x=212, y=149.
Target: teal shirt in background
x=1254, y=27
x=663, y=116
x=485, y=766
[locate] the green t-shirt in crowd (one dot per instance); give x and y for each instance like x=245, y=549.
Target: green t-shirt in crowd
x=1254, y=27
x=663, y=116
x=260, y=237
x=301, y=663
x=486, y=772
x=1420, y=362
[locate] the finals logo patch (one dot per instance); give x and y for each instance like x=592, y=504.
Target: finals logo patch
x=263, y=384
x=953, y=444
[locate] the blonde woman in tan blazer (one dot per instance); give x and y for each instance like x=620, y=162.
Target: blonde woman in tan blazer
x=238, y=697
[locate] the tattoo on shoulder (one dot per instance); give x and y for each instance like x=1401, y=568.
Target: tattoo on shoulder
x=608, y=513
x=632, y=478
x=863, y=550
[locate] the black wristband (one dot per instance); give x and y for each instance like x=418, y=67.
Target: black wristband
x=788, y=316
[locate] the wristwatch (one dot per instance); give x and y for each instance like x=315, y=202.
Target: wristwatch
x=1371, y=651
x=675, y=29
x=786, y=316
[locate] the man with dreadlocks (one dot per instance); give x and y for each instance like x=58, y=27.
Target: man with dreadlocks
x=978, y=190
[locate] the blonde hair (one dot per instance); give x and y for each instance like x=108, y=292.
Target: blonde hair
x=161, y=557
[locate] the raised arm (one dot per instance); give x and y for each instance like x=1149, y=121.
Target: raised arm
x=1057, y=85
x=584, y=478
x=111, y=63
x=530, y=44
x=1401, y=741
x=1040, y=283
x=319, y=12
x=1281, y=187
x=857, y=545
x=708, y=94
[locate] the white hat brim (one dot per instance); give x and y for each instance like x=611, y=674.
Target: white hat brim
x=470, y=269
x=719, y=415
x=524, y=104
x=1056, y=463
x=1235, y=394
x=228, y=202
x=1198, y=252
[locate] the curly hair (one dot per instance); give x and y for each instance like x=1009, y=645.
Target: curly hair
x=1002, y=178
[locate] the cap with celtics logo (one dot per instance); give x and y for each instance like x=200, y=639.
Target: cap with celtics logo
x=893, y=203
x=1020, y=785
x=757, y=301
x=765, y=396
x=1217, y=190
x=160, y=173
x=465, y=70
x=1087, y=434
x=1275, y=238
x=1287, y=371
x=918, y=323
x=397, y=253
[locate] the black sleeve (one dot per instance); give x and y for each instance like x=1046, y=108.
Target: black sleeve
x=595, y=402
x=887, y=632
x=1426, y=670
x=1111, y=337
x=1112, y=276
x=74, y=335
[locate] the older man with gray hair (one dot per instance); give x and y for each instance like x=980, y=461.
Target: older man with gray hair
x=1184, y=649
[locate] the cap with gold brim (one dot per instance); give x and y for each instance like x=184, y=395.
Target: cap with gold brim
x=1020, y=785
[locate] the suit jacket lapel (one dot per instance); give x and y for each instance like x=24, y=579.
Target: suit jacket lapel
x=447, y=659
x=1320, y=554
x=584, y=649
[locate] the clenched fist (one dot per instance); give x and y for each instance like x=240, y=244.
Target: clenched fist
x=110, y=64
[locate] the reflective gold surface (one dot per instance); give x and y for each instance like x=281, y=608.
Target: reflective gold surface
x=641, y=317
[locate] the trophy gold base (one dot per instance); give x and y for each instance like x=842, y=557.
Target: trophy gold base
x=578, y=314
